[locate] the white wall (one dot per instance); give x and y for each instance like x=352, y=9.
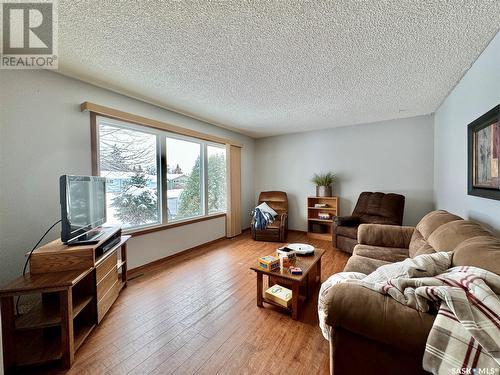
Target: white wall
x=390, y=156
x=1, y=351
x=476, y=93
x=43, y=134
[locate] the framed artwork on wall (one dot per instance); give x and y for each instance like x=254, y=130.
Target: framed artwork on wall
x=483, y=138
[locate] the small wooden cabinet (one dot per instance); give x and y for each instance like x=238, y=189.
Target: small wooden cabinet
x=69, y=298
x=320, y=227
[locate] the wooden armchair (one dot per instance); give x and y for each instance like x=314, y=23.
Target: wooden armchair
x=278, y=229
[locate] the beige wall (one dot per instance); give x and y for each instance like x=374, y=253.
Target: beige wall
x=43, y=135
x=389, y=156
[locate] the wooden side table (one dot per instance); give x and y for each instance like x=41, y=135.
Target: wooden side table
x=307, y=263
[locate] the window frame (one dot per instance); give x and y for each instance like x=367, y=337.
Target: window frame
x=218, y=145
x=161, y=171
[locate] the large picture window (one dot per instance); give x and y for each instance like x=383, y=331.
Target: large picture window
x=184, y=179
x=155, y=177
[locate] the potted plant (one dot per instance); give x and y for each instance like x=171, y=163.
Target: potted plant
x=323, y=182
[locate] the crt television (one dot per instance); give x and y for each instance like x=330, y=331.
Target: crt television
x=83, y=208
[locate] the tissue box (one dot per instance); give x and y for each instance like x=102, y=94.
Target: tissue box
x=269, y=263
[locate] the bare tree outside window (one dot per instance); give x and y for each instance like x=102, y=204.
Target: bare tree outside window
x=128, y=160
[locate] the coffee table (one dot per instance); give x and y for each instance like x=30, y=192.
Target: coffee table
x=307, y=263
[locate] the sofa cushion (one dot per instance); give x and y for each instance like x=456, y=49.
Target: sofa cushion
x=426, y=249
x=449, y=235
x=434, y=220
x=364, y=265
x=378, y=317
x=351, y=232
x=388, y=254
x=482, y=252
x=417, y=242
x=385, y=235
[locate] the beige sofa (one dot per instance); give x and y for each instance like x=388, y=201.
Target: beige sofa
x=375, y=334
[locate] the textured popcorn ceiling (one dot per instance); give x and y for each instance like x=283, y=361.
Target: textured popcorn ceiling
x=276, y=67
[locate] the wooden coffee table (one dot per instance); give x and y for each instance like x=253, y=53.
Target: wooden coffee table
x=307, y=263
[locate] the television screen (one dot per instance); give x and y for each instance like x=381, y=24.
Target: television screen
x=83, y=205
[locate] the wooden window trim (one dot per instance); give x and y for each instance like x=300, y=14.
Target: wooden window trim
x=144, y=121
x=180, y=223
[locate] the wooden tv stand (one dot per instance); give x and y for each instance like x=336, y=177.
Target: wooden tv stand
x=74, y=286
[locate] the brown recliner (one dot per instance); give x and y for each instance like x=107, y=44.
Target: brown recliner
x=371, y=208
x=278, y=229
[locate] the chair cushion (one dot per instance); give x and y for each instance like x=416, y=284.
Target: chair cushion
x=346, y=244
x=357, y=263
x=351, y=232
x=388, y=254
x=274, y=225
x=380, y=208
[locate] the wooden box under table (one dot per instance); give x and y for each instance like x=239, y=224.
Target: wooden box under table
x=279, y=294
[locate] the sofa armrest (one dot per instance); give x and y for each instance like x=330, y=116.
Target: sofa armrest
x=377, y=317
x=346, y=221
x=385, y=235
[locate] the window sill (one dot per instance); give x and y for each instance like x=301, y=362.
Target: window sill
x=157, y=228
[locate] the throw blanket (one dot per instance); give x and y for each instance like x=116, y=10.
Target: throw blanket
x=262, y=218
x=466, y=332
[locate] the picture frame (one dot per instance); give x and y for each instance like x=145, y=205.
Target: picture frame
x=483, y=152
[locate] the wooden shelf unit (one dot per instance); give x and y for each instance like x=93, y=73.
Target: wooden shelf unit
x=321, y=228
x=72, y=298
x=47, y=313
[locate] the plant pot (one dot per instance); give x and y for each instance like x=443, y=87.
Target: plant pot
x=324, y=191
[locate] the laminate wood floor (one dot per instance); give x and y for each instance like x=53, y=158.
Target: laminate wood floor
x=197, y=314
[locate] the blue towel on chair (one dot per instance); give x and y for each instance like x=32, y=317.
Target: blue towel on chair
x=262, y=219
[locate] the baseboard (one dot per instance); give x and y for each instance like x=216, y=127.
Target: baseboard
x=297, y=231
x=157, y=262
x=142, y=268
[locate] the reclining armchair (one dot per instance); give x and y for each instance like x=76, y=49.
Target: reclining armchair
x=277, y=230
x=371, y=208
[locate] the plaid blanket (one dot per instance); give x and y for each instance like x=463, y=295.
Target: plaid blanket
x=465, y=336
